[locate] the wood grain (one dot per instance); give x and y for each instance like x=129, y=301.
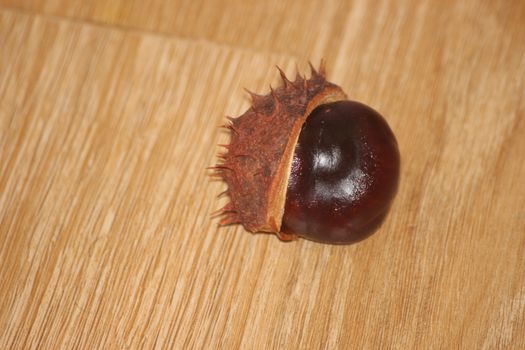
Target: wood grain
x=271, y=25
x=109, y=113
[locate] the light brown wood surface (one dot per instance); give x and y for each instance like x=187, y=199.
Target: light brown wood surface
x=109, y=115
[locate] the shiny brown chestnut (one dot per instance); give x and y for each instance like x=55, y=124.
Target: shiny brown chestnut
x=304, y=161
x=344, y=174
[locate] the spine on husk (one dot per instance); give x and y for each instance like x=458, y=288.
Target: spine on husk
x=257, y=163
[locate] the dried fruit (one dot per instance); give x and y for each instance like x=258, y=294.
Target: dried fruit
x=305, y=161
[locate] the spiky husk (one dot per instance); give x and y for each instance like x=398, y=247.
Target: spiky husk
x=257, y=163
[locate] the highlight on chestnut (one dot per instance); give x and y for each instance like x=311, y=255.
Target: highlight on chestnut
x=304, y=161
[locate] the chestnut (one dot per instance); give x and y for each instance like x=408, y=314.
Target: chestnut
x=304, y=161
x=344, y=174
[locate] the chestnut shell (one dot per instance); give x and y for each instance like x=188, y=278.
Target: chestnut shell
x=344, y=174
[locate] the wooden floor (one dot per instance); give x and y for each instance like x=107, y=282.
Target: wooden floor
x=109, y=115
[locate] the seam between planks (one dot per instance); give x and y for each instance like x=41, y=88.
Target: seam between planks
x=144, y=32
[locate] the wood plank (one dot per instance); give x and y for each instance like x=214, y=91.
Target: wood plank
x=105, y=140
x=272, y=25
x=105, y=235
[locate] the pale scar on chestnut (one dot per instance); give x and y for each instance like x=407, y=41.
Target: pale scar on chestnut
x=304, y=161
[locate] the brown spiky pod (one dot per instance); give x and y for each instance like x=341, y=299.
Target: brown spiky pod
x=257, y=164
